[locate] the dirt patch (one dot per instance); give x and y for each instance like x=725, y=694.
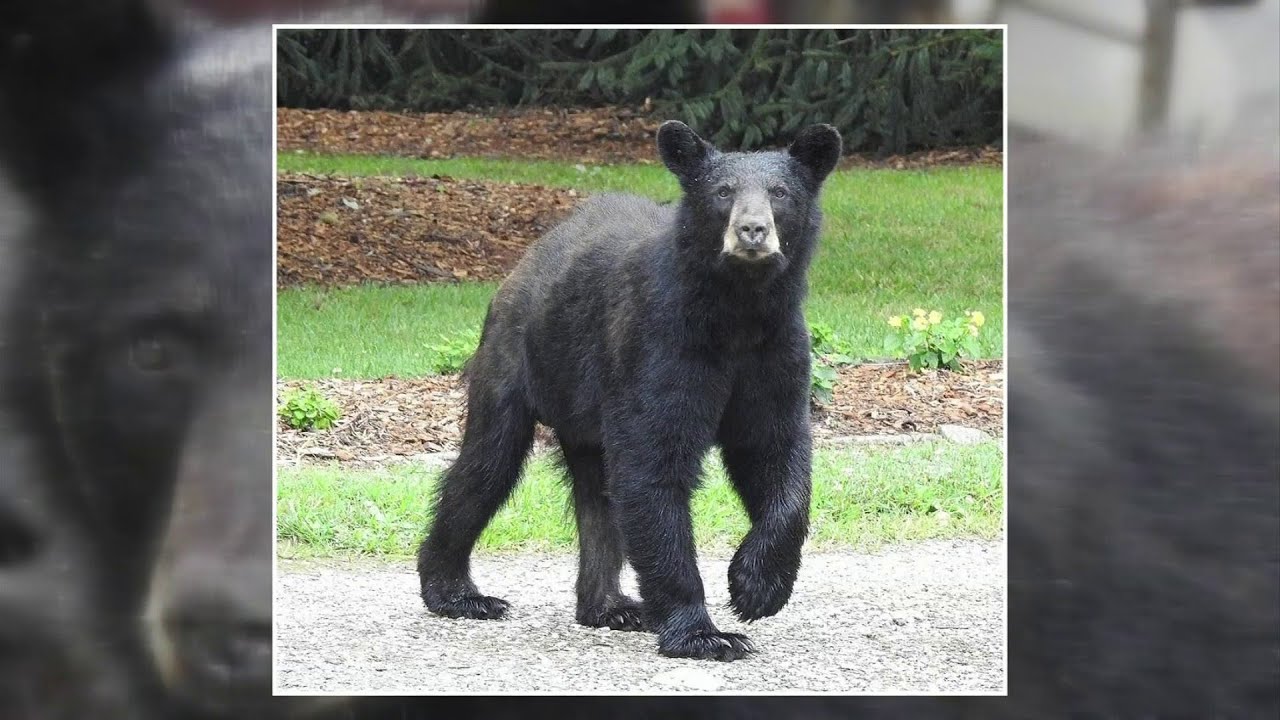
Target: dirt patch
x=398, y=419
x=338, y=231
x=581, y=135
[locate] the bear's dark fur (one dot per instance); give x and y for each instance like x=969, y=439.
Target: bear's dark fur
x=46, y=596
x=136, y=339
x=1144, y=436
x=643, y=335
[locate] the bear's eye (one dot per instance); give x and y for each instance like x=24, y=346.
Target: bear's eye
x=155, y=352
x=779, y=192
x=723, y=193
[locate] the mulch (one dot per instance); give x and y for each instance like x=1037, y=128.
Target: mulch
x=398, y=419
x=580, y=135
x=598, y=136
x=340, y=231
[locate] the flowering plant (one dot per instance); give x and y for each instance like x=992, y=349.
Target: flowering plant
x=929, y=341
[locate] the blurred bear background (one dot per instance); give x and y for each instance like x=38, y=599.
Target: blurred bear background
x=1143, y=408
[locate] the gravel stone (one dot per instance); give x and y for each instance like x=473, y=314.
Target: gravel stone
x=361, y=627
x=963, y=435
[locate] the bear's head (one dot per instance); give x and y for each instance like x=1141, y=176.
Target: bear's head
x=143, y=312
x=756, y=209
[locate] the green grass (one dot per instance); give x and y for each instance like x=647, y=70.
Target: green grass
x=373, y=332
x=897, y=240
x=862, y=497
x=653, y=180
x=894, y=240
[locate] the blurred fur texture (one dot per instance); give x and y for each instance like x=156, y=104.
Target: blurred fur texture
x=136, y=338
x=1144, y=436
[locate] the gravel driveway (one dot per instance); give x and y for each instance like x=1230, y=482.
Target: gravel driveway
x=925, y=617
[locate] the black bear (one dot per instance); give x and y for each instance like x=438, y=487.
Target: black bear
x=137, y=354
x=643, y=335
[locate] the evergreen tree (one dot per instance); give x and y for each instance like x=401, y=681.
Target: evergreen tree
x=889, y=91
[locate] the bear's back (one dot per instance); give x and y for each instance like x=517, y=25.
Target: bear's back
x=592, y=244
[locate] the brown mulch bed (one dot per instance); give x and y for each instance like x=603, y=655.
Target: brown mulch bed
x=339, y=231
x=885, y=399
x=396, y=419
x=594, y=136
x=605, y=135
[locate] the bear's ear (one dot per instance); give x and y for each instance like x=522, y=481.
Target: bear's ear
x=817, y=147
x=682, y=151
x=67, y=70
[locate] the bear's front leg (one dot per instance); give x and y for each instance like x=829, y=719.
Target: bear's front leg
x=653, y=464
x=767, y=449
x=774, y=483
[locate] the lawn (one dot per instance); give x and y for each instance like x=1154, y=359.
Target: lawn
x=862, y=497
x=894, y=240
x=652, y=180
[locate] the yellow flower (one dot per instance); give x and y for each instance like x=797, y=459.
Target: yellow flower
x=935, y=317
x=919, y=312
x=896, y=321
x=919, y=323
x=977, y=318
x=973, y=330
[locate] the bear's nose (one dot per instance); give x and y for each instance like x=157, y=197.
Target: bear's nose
x=752, y=233
x=211, y=634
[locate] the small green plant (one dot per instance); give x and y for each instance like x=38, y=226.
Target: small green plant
x=825, y=342
x=829, y=353
x=449, y=356
x=822, y=381
x=307, y=409
x=929, y=341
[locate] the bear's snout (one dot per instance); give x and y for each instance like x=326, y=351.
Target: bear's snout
x=752, y=234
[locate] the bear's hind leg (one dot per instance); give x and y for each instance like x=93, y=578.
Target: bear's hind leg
x=652, y=488
x=601, y=602
x=498, y=435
